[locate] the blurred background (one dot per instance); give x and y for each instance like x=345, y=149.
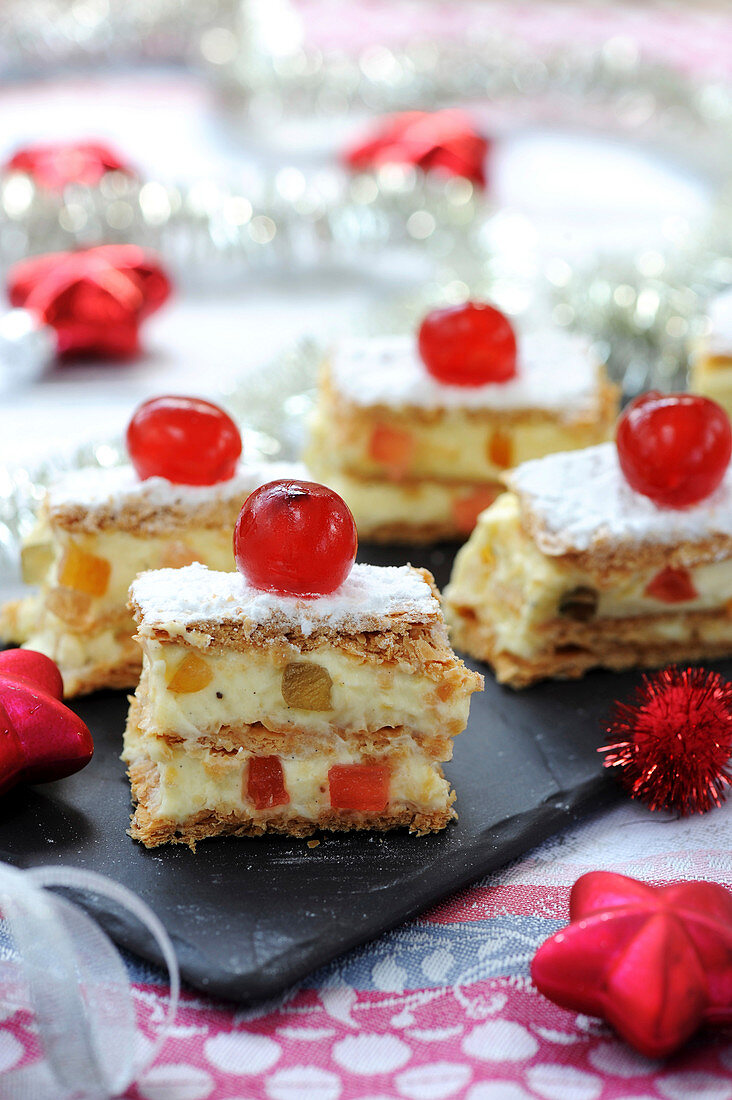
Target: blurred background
x=585, y=181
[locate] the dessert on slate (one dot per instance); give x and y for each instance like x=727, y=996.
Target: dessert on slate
x=98, y=528
x=415, y=434
x=711, y=359
x=618, y=555
x=303, y=692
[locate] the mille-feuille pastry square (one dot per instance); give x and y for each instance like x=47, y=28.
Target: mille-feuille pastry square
x=97, y=529
x=572, y=569
x=260, y=712
x=417, y=459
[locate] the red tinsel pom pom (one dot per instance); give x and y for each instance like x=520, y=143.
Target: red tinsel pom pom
x=670, y=745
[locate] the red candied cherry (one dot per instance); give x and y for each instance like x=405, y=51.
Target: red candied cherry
x=468, y=345
x=674, y=448
x=187, y=440
x=295, y=538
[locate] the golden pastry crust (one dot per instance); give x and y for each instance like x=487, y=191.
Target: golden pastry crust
x=142, y=518
x=610, y=561
x=350, y=415
x=569, y=649
x=120, y=676
x=265, y=742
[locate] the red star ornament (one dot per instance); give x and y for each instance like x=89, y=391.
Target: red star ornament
x=655, y=962
x=40, y=738
x=94, y=299
x=54, y=165
x=445, y=141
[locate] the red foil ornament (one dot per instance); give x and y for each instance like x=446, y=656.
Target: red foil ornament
x=655, y=962
x=444, y=141
x=40, y=738
x=670, y=746
x=54, y=165
x=94, y=299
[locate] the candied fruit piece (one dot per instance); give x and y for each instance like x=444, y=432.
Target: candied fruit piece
x=500, y=449
x=84, y=572
x=176, y=554
x=192, y=674
x=672, y=586
x=306, y=686
x=36, y=558
x=392, y=448
x=71, y=607
x=295, y=538
x=674, y=447
x=266, y=782
x=470, y=344
x=362, y=787
x=187, y=440
x=488, y=557
x=465, y=510
x=579, y=604
x=445, y=690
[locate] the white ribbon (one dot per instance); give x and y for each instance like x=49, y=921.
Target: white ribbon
x=65, y=970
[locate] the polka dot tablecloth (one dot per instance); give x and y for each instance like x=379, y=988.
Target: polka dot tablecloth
x=443, y=1007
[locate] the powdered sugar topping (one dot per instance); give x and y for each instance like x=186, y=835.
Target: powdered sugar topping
x=119, y=487
x=370, y=598
x=556, y=371
x=720, y=321
x=581, y=498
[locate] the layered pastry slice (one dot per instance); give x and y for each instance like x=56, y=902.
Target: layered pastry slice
x=711, y=359
x=97, y=529
x=417, y=457
x=260, y=712
x=572, y=568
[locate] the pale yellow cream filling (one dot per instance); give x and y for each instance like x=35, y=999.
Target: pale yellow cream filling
x=78, y=655
x=453, y=445
x=713, y=378
x=246, y=688
x=201, y=780
x=85, y=631
x=502, y=576
x=130, y=554
x=378, y=503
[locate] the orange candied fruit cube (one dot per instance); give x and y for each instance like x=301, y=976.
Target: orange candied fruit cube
x=192, y=674
x=465, y=510
x=266, y=782
x=672, y=586
x=362, y=787
x=84, y=572
x=500, y=449
x=176, y=555
x=392, y=448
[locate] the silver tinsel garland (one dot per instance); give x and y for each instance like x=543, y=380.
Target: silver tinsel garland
x=208, y=230
x=644, y=308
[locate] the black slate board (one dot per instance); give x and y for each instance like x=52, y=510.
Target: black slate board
x=248, y=917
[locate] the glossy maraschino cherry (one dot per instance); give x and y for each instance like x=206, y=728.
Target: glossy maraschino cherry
x=187, y=440
x=295, y=538
x=674, y=448
x=468, y=345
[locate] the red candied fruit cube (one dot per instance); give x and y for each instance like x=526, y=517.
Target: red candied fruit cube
x=266, y=782
x=465, y=510
x=362, y=787
x=672, y=586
